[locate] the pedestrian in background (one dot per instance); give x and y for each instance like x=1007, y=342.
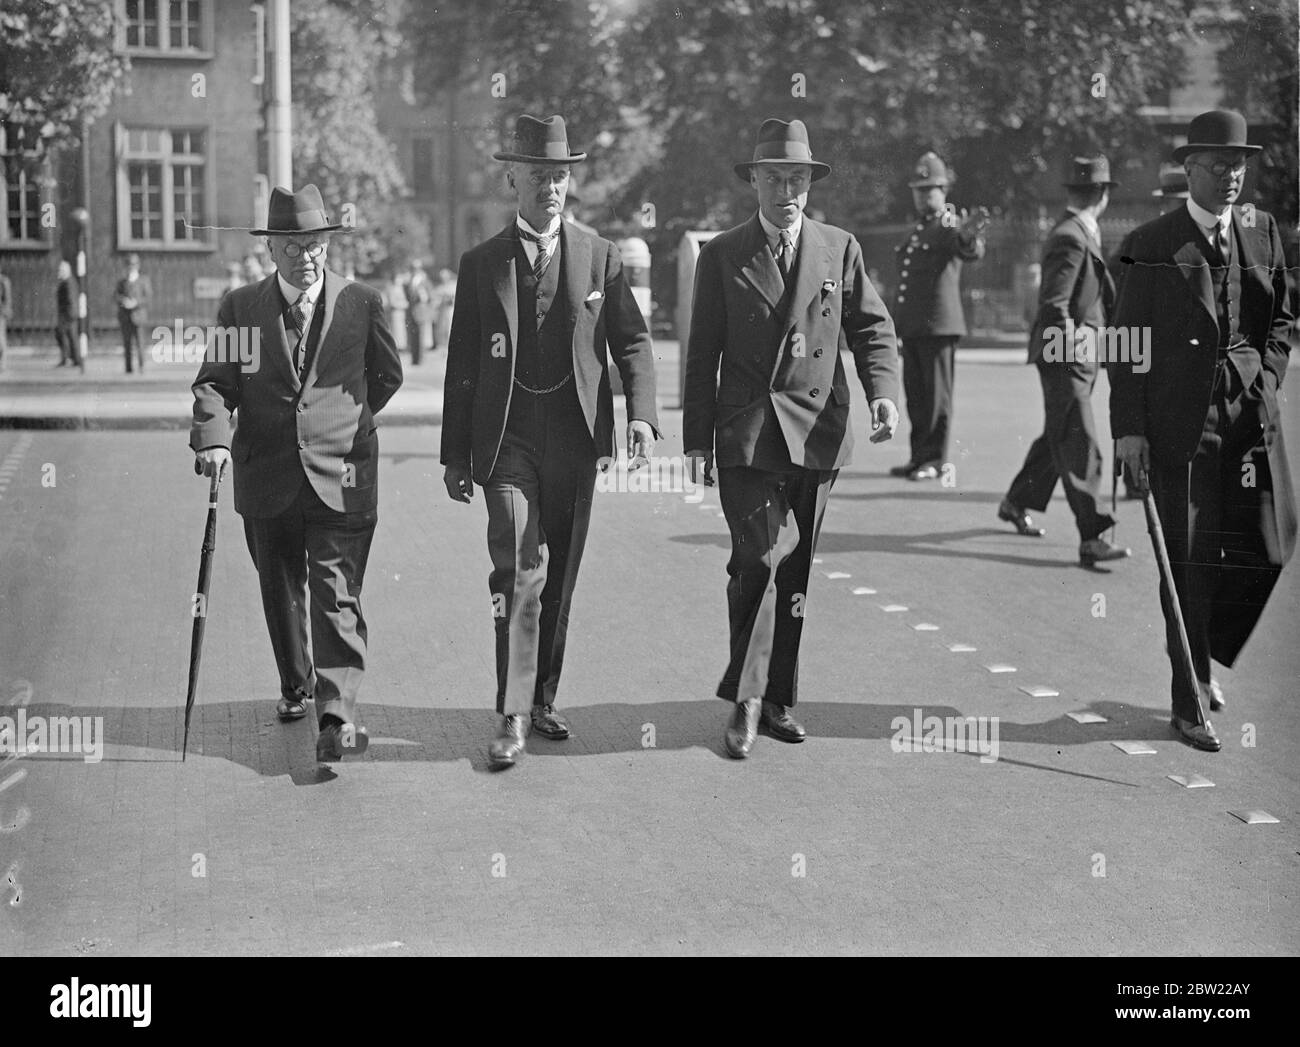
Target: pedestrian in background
x=133, y=293
x=420, y=311
x=445, y=300
x=927, y=312
x=6, y=312
x=65, y=318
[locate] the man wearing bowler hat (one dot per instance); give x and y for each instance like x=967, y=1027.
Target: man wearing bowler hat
x=305, y=454
x=927, y=312
x=541, y=308
x=766, y=389
x=1203, y=421
x=1074, y=305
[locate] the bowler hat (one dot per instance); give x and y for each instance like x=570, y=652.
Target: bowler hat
x=780, y=142
x=1085, y=171
x=930, y=171
x=290, y=213
x=1217, y=129
x=1173, y=184
x=540, y=142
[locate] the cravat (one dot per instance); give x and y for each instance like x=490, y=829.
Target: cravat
x=298, y=313
x=543, y=242
x=785, y=255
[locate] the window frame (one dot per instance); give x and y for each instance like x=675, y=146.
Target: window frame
x=164, y=49
x=207, y=243
x=41, y=176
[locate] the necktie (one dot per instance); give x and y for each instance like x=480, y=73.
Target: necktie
x=1221, y=240
x=543, y=242
x=785, y=255
x=298, y=313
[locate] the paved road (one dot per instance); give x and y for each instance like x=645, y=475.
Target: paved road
x=604, y=844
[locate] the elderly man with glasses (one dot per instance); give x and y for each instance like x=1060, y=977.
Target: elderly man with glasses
x=1200, y=419
x=305, y=455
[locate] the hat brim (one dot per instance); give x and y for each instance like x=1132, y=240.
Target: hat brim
x=819, y=169
x=1184, y=151
x=300, y=232
x=524, y=158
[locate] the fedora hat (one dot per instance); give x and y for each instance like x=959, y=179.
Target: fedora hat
x=930, y=171
x=1217, y=129
x=540, y=142
x=290, y=213
x=1173, y=184
x=1084, y=171
x=780, y=142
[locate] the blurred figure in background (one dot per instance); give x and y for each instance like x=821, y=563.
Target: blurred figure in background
x=420, y=311
x=132, y=293
x=65, y=318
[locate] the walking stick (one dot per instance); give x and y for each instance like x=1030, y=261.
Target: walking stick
x=200, y=605
x=1115, y=469
x=1167, y=580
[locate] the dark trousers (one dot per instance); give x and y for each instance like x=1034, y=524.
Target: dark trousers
x=1067, y=449
x=1214, y=511
x=131, y=342
x=313, y=548
x=539, y=506
x=774, y=518
x=928, y=384
x=65, y=334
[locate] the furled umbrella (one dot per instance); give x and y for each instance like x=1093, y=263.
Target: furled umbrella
x=199, y=608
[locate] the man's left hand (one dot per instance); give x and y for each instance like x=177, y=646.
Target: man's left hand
x=884, y=420
x=640, y=443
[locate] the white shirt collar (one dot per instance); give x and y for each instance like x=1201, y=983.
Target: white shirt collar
x=1089, y=223
x=1208, y=219
x=774, y=231
x=291, y=293
x=552, y=227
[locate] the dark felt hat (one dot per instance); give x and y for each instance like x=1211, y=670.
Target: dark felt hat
x=780, y=142
x=930, y=170
x=1173, y=183
x=540, y=142
x=1217, y=129
x=290, y=213
x=1084, y=171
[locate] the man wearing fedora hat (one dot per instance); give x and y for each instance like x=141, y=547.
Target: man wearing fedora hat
x=132, y=293
x=305, y=455
x=540, y=310
x=765, y=387
x=1202, y=421
x=1077, y=293
x=927, y=312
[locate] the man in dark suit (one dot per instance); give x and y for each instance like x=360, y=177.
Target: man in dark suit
x=1203, y=422
x=315, y=363
x=765, y=385
x=132, y=293
x=65, y=318
x=6, y=311
x=928, y=315
x=528, y=412
x=1074, y=303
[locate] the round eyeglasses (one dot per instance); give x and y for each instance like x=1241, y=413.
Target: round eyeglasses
x=293, y=249
x=1221, y=167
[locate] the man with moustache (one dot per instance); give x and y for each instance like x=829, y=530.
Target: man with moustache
x=528, y=411
x=766, y=387
x=1203, y=424
x=928, y=315
x=305, y=456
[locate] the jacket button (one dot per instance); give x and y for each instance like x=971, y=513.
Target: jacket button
x=902, y=298
x=902, y=287
x=301, y=407
x=753, y=319
x=302, y=444
x=826, y=312
x=813, y=392
x=541, y=294
x=817, y=352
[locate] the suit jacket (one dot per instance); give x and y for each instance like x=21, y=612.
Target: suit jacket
x=930, y=305
x=141, y=290
x=1075, y=280
x=323, y=427
x=602, y=313
x=750, y=367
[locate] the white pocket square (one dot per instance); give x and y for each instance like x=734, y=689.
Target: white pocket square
x=594, y=296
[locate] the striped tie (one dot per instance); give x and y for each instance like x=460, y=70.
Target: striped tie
x=785, y=255
x=298, y=313
x=543, y=242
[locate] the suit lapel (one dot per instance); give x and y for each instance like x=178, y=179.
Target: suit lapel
x=754, y=258
x=810, y=268
x=1191, y=262
x=504, y=285
x=576, y=255
x=328, y=299
x=271, y=317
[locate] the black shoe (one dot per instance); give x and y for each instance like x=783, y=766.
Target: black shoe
x=902, y=470
x=548, y=723
x=338, y=739
x=1098, y=550
x=779, y=722
x=1214, y=693
x=742, y=728
x=1021, y=520
x=290, y=709
x=923, y=472
x=508, y=745
x=1202, y=736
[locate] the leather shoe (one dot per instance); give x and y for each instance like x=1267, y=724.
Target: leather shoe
x=923, y=472
x=339, y=739
x=1200, y=735
x=742, y=729
x=547, y=723
x=1022, y=521
x=1214, y=693
x=508, y=745
x=290, y=709
x=902, y=470
x=777, y=719
x=1098, y=550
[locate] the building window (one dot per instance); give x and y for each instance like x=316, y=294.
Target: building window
x=162, y=187
x=164, y=25
x=24, y=179
x=422, y=165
